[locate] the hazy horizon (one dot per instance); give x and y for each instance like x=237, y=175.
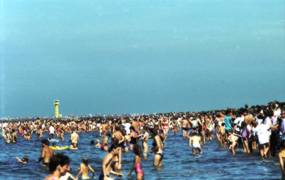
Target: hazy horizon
x=139, y=56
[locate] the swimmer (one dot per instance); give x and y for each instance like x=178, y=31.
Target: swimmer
x=84, y=170
x=96, y=143
x=24, y=160
x=137, y=166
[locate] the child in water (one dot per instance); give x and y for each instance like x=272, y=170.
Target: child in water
x=84, y=169
x=233, y=138
x=24, y=160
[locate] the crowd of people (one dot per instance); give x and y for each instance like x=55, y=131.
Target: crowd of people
x=253, y=129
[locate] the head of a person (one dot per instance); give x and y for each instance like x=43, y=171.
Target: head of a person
x=230, y=132
x=92, y=142
x=260, y=116
x=132, y=129
x=243, y=124
x=228, y=112
x=45, y=142
x=117, y=128
x=268, y=113
x=195, y=133
x=60, y=163
x=276, y=105
x=85, y=162
x=25, y=159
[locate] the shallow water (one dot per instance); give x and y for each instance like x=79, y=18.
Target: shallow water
x=214, y=163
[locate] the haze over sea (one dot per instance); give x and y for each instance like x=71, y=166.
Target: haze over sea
x=139, y=56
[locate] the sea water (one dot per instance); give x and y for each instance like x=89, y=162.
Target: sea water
x=178, y=163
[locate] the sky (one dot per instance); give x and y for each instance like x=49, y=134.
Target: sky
x=139, y=56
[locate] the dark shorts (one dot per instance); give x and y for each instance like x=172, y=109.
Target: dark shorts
x=185, y=129
x=101, y=177
x=122, y=145
x=261, y=146
x=196, y=150
x=160, y=154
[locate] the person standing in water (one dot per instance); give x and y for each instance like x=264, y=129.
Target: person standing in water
x=46, y=153
x=74, y=137
x=165, y=126
x=233, y=140
x=84, y=170
x=158, y=148
x=228, y=121
x=263, y=134
x=195, y=142
x=108, y=161
x=134, y=137
x=51, y=131
x=185, y=128
x=144, y=143
x=137, y=166
x=118, y=136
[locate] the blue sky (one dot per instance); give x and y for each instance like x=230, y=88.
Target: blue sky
x=139, y=56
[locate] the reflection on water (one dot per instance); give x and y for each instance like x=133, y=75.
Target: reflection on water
x=214, y=163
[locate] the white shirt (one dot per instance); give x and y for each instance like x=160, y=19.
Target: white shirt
x=263, y=133
x=259, y=121
x=74, y=137
x=277, y=112
x=238, y=122
x=268, y=121
x=127, y=128
x=51, y=130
